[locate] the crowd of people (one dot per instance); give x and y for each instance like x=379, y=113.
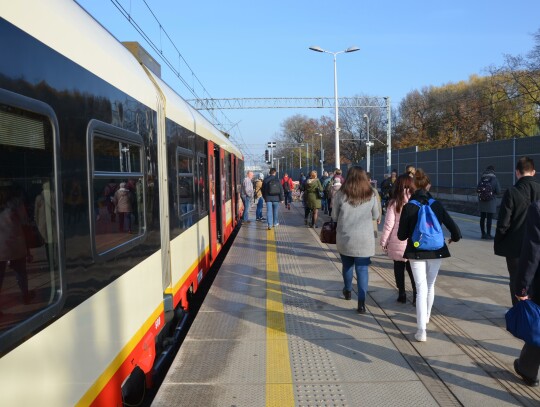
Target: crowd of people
x=355, y=205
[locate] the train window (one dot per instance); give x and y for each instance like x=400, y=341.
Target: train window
x=202, y=170
x=30, y=267
x=117, y=187
x=185, y=187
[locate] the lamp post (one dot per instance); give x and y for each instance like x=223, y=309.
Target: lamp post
x=350, y=49
x=368, y=143
x=321, y=154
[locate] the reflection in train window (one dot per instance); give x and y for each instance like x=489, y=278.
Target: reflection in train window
x=29, y=264
x=202, y=197
x=118, y=191
x=185, y=191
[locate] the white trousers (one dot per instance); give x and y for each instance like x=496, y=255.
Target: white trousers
x=425, y=273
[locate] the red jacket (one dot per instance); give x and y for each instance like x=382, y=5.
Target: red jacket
x=287, y=180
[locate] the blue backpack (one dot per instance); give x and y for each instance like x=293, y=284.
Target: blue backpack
x=427, y=234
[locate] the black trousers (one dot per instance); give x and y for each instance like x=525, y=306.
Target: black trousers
x=399, y=274
x=485, y=228
x=529, y=361
x=512, y=263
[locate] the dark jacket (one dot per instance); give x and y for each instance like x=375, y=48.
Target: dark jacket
x=490, y=206
x=272, y=198
x=407, y=223
x=528, y=278
x=512, y=213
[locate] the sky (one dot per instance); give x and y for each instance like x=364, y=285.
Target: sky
x=257, y=49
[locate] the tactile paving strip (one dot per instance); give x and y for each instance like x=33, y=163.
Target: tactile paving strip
x=321, y=395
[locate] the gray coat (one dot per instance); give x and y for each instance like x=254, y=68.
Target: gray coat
x=354, y=235
x=490, y=206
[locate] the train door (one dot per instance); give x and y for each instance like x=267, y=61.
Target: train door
x=233, y=189
x=220, y=193
x=224, y=160
x=212, y=200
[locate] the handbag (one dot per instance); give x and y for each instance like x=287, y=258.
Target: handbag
x=328, y=232
x=523, y=321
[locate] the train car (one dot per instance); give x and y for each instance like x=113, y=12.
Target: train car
x=116, y=197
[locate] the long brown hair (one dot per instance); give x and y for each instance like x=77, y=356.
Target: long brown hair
x=404, y=184
x=356, y=187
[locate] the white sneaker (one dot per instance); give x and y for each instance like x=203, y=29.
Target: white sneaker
x=420, y=335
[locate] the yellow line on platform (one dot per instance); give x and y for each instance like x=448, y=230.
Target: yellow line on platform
x=279, y=387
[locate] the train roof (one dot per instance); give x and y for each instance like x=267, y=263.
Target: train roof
x=184, y=114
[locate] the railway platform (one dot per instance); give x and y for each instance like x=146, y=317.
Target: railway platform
x=275, y=330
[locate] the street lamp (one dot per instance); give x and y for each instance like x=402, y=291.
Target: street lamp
x=321, y=153
x=368, y=143
x=350, y=49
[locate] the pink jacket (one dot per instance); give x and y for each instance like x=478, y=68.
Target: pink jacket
x=389, y=238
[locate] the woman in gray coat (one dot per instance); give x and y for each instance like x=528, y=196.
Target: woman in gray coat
x=355, y=207
x=488, y=205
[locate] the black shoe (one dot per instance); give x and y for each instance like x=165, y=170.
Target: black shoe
x=414, y=300
x=484, y=236
x=528, y=381
x=402, y=297
x=347, y=294
x=305, y=221
x=361, y=307
x=489, y=237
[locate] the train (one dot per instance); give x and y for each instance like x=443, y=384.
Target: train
x=116, y=197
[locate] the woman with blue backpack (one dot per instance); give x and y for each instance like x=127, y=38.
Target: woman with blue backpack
x=420, y=224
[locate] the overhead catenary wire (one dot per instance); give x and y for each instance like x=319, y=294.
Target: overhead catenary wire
x=237, y=139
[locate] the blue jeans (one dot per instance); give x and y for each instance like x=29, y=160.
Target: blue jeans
x=247, y=203
x=258, y=211
x=360, y=264
x=272, y=209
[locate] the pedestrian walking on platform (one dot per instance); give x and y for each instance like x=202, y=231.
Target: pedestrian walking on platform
x=338, y=175
x=390, y=243
x=511, y=220
x=257, y=188
x=288, y=186
x=488, y=188
x=313, y=191
x=246, y=193
x=528, y=287
x=354, y=209
x=377, y=221
x=273, y=194
x=331, y=191
x=425, y=264
x=325, y=180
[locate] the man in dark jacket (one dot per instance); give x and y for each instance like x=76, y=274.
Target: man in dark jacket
x=511, y=221
x=528, y=286
x=273, y=194
x=487, y=203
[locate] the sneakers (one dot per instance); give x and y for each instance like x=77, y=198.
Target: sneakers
x=269, y=227
x=528, y=381
x=276, y=224
x=420, y=335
